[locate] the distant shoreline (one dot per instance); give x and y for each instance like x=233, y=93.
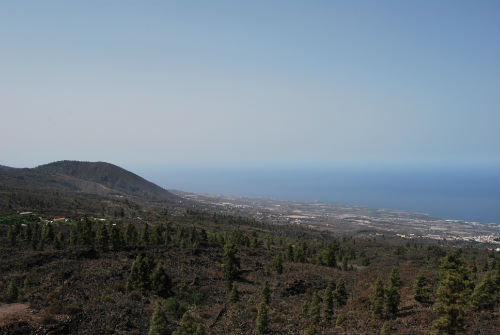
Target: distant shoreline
x=461, y=194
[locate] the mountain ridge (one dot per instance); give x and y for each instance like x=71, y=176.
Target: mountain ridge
x=78, y=178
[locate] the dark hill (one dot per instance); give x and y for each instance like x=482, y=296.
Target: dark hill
x=105, y=179
x=98, y=180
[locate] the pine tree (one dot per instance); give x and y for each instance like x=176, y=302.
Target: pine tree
x=47, y=233
x=278, y=264
x=485, y=266
x=145, y=238
x=340, y=322
x=58, y=242
x=328, y=303
x=387, y=328
x=35, y=239
x=289, y=253
x=131, y=235
x=328, y=257
x=231, y=263
x=73, y=236
x=340, y=294
x=34, y=244
x=452, y=295
x=26, y=284
x=160, y=282
x=392, y=297
x=133, y=281
x=261, y=324
x=315, y=309
x=305, y=308
x=377, y=300
x=28, y=232
x=167, y=238
x=486, y=294
x=266, y=293
x=86, y=235
x=494, y=264
x=234, y=295
x=267, y=272
x=115, y=238
x=102, y=238
x=188, y=326
x=12, y=291
x=392, y=300
x=159, y=322
x=203, y=237
x=345, y=266
x=311, y=330
x=421, y=289
x=158, y=234
x=474, y=266
x=140, y=274
x=11, y=236
x=395, y=278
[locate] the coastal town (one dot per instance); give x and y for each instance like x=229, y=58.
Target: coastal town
x=353, y=220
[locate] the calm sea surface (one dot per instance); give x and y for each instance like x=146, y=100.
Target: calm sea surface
x=466, y=193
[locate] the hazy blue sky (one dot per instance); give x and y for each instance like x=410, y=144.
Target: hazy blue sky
x=256, y=82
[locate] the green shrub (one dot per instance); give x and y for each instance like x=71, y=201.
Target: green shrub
x=173, y=306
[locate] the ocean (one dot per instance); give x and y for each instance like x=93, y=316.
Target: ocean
x=470, y=193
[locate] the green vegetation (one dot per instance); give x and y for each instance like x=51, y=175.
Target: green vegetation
x=452, y=294
x=231, y=263
x=392, y=297
x=234, y=295
x=378, y=299
x=102, y=238
x=340, y=294
x=278, y=264
x=266, y=293
x=328, y=303
x=161, y=283
x=140, y=274
x=175, y=307
x=131, y=235
x=188, y=326
x=262, y=322
x=421, y=290
x=486, y=295
x=12, y=291
x=159, y=322
x=315, y=308
x=192, y=258
x=387, y=328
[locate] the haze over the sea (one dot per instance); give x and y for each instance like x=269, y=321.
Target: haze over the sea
x=467, y=193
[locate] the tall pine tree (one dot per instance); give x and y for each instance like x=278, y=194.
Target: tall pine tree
x=315, y=309
x=131, y=235
x=262, y=322
x=421, y=289
x=340, y=294
x=452, y=295
x=102, y=238
x=231, y=263
x=160, y=282
x=266, y=293
x=377, y=300
x=328, y=303
x=392, y=296
x=159, y=323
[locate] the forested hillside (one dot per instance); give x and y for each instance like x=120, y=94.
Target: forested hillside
x=206, y=273
x=79, y=188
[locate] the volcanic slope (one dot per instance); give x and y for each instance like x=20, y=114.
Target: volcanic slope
x=70, y=181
